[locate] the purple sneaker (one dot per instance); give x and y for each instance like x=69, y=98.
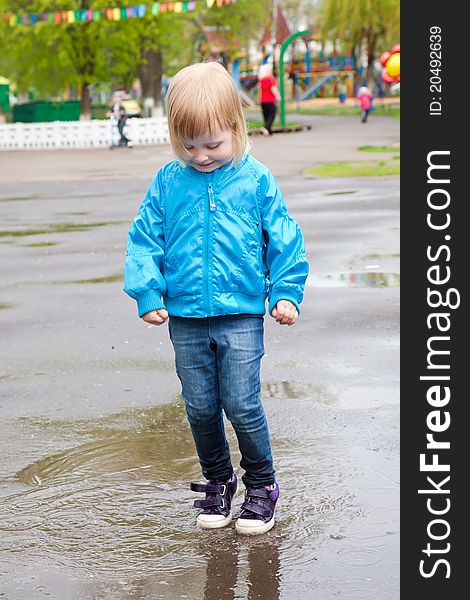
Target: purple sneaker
x=217, y=505
x=257, y=512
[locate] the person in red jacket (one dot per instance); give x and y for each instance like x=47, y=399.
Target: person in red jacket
x=365, y=101
x=269, y=96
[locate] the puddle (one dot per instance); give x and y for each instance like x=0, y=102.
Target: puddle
x=56, y=228
x=371, y=279
x=340, y=193
x=108, y=279
x=40, y=245
x=19, y=198
x=108, y=496
x=115, y=510
x=377, y=256
x=298, y=391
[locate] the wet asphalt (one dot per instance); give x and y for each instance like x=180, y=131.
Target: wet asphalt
x=96, y=452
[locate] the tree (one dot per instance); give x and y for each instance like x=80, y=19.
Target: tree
x=48, y=57
x=301, y=14
x=361, y=22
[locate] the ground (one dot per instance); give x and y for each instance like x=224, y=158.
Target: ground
x=96, y=454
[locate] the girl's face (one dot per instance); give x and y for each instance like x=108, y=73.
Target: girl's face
x=210, y=152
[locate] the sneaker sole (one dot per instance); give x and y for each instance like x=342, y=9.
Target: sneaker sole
x=253, y=529
x=216, y=524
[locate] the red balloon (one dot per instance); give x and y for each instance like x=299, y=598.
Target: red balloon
x=384, y=57
x=386, y=77
x=396, y=48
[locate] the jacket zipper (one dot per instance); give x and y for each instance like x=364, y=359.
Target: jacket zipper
x=207, y=252
x=211, y=197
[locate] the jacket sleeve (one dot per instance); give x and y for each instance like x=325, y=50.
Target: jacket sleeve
x=143, y=272
x=285, y=251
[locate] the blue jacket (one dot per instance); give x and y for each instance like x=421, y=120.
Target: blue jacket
x=209, y=244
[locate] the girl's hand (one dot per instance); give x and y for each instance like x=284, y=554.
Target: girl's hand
x=156, y=317
x=285, y=313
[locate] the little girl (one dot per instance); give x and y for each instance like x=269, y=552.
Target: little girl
x=211, y=242
x=365, y=100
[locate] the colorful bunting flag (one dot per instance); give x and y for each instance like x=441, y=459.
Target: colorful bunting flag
x=110, y=13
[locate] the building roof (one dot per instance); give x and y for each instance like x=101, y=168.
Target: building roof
x=282, y=29
x=217, y=42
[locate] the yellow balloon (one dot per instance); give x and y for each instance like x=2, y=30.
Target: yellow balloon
x=393, y=65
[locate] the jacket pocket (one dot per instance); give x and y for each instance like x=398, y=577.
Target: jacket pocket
x=172, y=276
x=250, y=275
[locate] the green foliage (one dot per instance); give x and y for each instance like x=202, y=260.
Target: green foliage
x=48, y=57
x=355, y=169
x=387, y=111
x=300, y=13
x=376, y=22
x=388, y=149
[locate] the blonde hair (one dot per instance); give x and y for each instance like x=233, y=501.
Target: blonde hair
x=201, y=98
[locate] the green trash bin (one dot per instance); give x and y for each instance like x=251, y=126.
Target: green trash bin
x=45, y=112
x=68, y=111
x=42, y=112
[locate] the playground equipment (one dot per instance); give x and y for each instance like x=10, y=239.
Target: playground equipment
x=316, y=76
x=284, y=46
x=246, y=76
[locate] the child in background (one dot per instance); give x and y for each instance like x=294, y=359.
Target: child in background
x=269, y=96
x=365, y=100
x=342, y=91
x=211, y=242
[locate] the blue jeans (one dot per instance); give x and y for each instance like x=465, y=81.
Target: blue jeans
x=218, y=363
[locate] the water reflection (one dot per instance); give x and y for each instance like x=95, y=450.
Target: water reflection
x=228, y=574
x=371, y=279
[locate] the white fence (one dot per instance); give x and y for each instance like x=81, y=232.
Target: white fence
x=81, y=134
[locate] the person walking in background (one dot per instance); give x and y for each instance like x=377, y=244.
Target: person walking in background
x=342, y=90
x=212, y=241
x=269, y=96
x=118, y=113
x=365, y=101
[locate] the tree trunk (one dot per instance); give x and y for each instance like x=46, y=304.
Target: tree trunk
x=150, y=75
x=371, y=43
x=85, y=112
